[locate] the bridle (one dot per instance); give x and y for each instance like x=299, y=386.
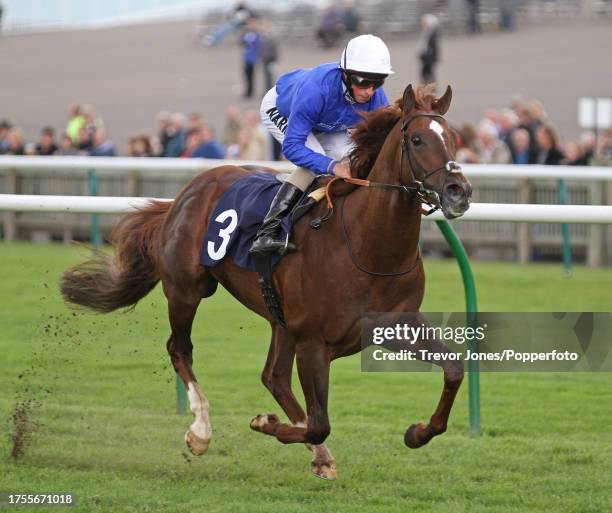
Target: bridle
x=419, y=188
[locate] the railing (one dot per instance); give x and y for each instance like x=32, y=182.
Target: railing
x=166, y=177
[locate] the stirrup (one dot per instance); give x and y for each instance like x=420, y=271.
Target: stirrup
x=274, y=246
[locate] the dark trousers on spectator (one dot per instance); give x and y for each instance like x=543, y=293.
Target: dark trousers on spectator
x=268, y=68
x=248, y=77
x=427, y=73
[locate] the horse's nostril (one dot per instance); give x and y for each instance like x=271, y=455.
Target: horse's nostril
x=454, y=190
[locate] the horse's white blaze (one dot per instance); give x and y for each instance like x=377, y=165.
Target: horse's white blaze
x=199, y=406
x=437, y=128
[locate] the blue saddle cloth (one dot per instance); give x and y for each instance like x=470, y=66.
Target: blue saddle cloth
x=236, y=219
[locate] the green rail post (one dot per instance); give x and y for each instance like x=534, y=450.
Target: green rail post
x=96, y=238
x=471, y=307
x=567, y=248
x=181, y=396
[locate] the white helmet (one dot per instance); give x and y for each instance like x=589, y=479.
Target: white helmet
x=366, y=54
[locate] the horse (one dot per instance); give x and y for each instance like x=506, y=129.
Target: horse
x=365, y=259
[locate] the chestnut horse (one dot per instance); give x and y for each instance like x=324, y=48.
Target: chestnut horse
x=363, y=259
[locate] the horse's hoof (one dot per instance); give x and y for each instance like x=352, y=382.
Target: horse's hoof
x=195, y=444
x=411, y=439
x=327, y=471
x=257, y=423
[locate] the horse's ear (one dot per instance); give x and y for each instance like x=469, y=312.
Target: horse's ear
x=408, y=100
x=442, y=104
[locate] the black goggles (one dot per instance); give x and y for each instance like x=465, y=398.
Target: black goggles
x=366, y=83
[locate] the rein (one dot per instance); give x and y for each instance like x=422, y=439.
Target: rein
x=424, y=194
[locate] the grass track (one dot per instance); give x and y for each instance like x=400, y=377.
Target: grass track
x=108, y=432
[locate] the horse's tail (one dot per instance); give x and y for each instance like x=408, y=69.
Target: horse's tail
x=106, y=283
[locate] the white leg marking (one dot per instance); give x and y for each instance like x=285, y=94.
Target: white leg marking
x=199, y=406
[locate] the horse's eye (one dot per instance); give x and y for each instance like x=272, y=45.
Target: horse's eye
x=416, y=140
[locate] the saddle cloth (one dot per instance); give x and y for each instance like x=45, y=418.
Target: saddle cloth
x=236, y=219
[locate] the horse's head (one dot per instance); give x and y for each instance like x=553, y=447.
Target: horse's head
x=428, y=152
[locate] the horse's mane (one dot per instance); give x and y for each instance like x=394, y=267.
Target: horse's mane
x=370, y=134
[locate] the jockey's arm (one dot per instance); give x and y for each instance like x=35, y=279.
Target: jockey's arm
x=305, y=113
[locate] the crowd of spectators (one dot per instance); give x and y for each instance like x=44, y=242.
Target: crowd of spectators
x=178, y=136
x=518, y=134
x=523, y=134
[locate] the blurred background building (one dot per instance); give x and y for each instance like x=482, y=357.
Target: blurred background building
x=292, y=17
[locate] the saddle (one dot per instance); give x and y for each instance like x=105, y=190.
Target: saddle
x=237, y=217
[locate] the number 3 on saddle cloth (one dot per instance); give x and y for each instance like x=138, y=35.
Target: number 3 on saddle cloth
x=234, y=224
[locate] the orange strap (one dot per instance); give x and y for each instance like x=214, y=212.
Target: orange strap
x=354, y=181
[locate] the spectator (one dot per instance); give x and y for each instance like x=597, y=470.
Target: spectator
x=467, y=151
x=176, y=135
x=66, y=147
x=209, y=147
x=521, y=143
x=193, y=140
x=254, y=139
x=427, y=47
x=508, y=123
x=491, y=150
x=331, y=28
x=140, y=146
x=603, y=155
x=269, y=55
x=102, y=146
x=573, y=154
x=251, y=41
x=507, y=10
x=15, y=142
x=547, y=146
x=92, y=121
x=84, y=141
x=46, y=145
x=351, y=17
x=163, y=123
x=238, y=18
x=587, y=147
x=492, y=115
x=473, y=23
x=5, y=127
x=231, y=131
x=195, y=122
x=75, y=121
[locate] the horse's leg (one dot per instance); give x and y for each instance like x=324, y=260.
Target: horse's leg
x=313, y=370
x=183, y=302
x=276, y=377
x=419, y=434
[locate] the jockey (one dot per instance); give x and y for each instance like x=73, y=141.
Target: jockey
x=309, y=112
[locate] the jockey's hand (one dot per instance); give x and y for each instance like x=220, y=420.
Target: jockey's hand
x=342, y=170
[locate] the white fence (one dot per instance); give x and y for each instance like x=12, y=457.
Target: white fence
x=120, y=166
x=496, y=238
x=478, y=211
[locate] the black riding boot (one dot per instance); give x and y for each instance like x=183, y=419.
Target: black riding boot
x=267, y=239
